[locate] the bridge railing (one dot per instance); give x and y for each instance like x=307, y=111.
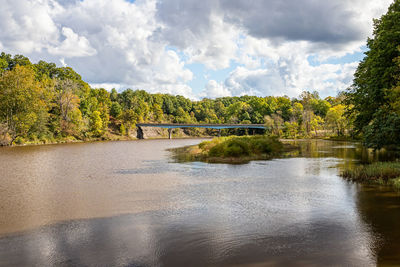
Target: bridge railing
x=211, y=126
x=219, y=127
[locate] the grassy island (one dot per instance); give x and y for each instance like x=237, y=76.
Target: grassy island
x=233, y=149
x=383, y=173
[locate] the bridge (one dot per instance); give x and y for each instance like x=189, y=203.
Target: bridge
x=218, y=127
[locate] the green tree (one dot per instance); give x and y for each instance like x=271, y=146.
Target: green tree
x=129, y=119
x=45, y=70
x=291, y=129
x=375, y=79
x=115, y=110
x=3, y=65
x=182, y=116
x=320, y=107
x=114, y=95
x=157, y=113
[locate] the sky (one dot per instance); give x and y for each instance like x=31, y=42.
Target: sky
x=207, y=48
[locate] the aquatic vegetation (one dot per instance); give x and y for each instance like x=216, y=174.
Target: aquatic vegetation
x=234, y=149
x=377, y=173
x=241, y=146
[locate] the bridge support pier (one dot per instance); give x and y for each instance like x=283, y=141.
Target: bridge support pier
x=169, y=133
x=219, y=132
x=139, y=133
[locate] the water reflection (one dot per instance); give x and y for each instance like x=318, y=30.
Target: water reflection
x=381, y=210
x=341, y=149
x=171, y=239
x=290, y=211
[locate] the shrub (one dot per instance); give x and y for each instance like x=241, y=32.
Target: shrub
x=236, y=147
x=122, y=129
x=19, y=140
x=240, y=146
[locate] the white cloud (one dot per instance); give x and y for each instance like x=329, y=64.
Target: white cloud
x=199, y=29
x=214, y=89
x=62, y=61
x=148, y=44
x=27, y=26
x=73, y=45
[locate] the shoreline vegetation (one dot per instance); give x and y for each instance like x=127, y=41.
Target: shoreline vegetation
x=41, y=103
x=113, y=137
x=377, y=173
x=109, y=137
x=233, y=149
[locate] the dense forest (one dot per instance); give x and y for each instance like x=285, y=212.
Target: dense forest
x=42, y=103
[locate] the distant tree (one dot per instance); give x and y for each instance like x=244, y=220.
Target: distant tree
x=114, y=95
x=316, y=124
x=320, y=107
x=67, y=106
x=336, y=120
x=45, y=70
x=274, y=124
x=115, y=110
x=3, y=65
x=291, y=129
x=96, y=124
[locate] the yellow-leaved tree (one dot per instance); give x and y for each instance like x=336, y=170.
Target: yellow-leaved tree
x=22, y=100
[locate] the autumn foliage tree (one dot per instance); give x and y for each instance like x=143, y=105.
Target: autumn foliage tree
x=22, y=100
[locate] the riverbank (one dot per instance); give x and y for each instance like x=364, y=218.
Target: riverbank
x=148, y=133
x=379, y=173
x=234, y=149
x=68, y=140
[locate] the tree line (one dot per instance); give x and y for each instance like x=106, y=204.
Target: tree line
x=45, y=103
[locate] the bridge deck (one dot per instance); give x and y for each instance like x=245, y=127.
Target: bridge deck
x=211, y=126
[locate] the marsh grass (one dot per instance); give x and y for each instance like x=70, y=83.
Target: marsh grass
x=382, y=173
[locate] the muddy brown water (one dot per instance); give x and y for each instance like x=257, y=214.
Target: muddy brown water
x=130, y=204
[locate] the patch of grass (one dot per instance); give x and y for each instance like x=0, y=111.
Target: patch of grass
x=377, y=173
x=395, y=183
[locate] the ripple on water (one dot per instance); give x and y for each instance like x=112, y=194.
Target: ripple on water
x=143, y=210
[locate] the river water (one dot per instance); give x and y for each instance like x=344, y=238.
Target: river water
x=130, y=204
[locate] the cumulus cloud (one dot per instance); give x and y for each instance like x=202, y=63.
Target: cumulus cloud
x=27, y=26
x=214, y=89
x=290, y=77
x=127, y=51
x=148, y=44
x=285, y=79
x=199, y=29
x=73, y=45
